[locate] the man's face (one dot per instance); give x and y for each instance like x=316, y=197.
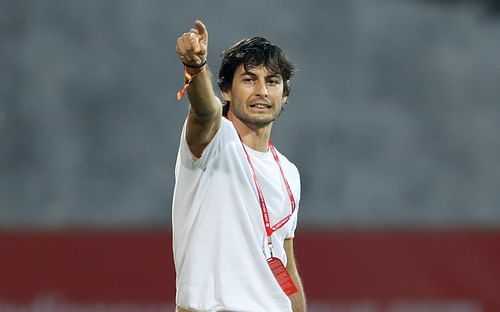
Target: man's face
x=256, y=95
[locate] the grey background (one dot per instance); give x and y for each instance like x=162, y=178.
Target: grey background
x=393, y=121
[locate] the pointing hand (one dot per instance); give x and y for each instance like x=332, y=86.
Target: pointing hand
x=192, y=46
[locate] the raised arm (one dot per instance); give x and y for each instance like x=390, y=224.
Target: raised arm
x=205, y=111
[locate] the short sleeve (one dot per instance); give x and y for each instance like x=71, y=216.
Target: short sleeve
x=295, y=216
x=190, y=161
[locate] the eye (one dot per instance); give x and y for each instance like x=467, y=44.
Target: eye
x=273, y=82
x=248, y=80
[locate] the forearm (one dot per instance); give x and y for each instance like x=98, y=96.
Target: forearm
x=298, y=299
x=202, y=99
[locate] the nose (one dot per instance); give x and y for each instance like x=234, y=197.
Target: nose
x=261, y=89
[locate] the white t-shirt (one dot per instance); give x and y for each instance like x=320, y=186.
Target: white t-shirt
x=218, y=231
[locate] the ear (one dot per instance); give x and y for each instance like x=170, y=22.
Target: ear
x=284, y=100
x=226, y=95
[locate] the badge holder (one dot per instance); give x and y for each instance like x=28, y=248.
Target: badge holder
x=280, y=273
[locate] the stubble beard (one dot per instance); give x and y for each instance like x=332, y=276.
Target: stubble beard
x=255, y=121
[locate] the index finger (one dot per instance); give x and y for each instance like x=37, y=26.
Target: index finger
x=202, y=29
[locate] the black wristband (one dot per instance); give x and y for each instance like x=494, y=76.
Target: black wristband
x=195, y=66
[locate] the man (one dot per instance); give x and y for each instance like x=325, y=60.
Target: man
x=236, y=197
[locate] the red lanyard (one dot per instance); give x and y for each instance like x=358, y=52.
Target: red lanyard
x=270, y=229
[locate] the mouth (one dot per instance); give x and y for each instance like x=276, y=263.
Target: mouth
x=260, y=105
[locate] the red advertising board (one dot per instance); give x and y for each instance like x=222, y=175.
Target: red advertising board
x=369, y=271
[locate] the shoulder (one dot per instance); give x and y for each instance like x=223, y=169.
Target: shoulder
x=287, y=164
x=223, y=137
x=227, y=131
x=227, y=125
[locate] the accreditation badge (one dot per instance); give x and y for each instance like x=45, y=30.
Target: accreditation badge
x=282, y=276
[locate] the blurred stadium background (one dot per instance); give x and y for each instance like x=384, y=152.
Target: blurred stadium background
x=394, y=122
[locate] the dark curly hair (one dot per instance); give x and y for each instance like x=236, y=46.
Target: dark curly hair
x=254, y=52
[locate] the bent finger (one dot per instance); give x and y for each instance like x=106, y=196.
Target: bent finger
x=179, y=47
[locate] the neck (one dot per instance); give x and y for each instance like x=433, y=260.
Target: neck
x=256, y=138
